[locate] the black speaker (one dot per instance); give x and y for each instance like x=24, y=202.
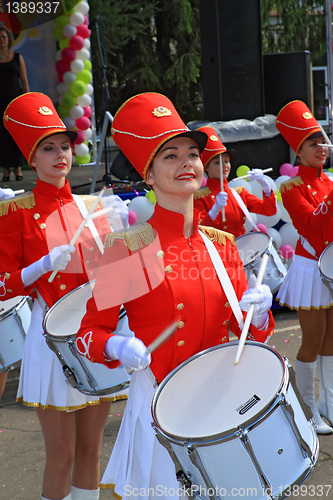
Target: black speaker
x=232, y=74
x=287, y=77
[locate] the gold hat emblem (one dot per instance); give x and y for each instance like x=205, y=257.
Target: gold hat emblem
x=161, y=111
x=213, y=138
x=44, y=110
x=307, y=115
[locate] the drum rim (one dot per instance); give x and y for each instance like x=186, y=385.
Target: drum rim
x=17, y=306
x=231, y=433
x=257, y=259
x=321, y=259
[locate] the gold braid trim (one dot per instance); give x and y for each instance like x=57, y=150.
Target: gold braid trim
x=238, y=189
x=216, y=235
x=294, y=181
x=89, y=200
x=26, y=200
x=135, y=237
x=202, y=193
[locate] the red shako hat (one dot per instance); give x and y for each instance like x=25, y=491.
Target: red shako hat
x=30, y=118
x=296, y=124
x=145, y=122
x=214, y=146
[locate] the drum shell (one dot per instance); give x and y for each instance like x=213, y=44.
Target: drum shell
x=89, y=378
x=15, y=316
x=326, y=268
x=226, y=461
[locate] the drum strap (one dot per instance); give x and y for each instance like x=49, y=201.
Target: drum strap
x=92, y=228
x=244, y=208
x=224, y=279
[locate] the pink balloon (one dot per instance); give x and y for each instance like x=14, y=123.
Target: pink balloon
x=83, y=123
x=131, y=217
x=85, y=19
x=286, y=251
x=87, y=111
x=286, y=168
x=293, y=172
x=80, y=137
x=76, y=42
x=68, y=54
x=83, y=31
x=62, y=66
x=204, y=182
x=262, y=228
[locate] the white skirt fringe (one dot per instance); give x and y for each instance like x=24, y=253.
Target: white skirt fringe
x=42, y=381
x=303, y=288
x=139, y=466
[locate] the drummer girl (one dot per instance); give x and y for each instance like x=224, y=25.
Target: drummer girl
x=72, y=423
x=175, y=281
x=308, y=199
x=235, y=203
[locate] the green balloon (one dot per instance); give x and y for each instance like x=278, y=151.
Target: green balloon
x=63, y=44
x=69, y=100
x=63, y=110
x=58, y=33
x=78, y=88
x=242, y=170
x=87, y=64
x=82, y=160
x=85, y=76
x=61, y=21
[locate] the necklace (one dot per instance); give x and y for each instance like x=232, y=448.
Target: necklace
x=3, y=58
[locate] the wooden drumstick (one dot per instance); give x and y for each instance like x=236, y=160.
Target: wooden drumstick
x=260, y=277
x=221, y=181
x=247, y=175
x=81, y=227
x=19, y=191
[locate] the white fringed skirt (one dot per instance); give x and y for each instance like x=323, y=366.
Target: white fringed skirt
x=42, y=381
x=139, y=466
x=303, y=288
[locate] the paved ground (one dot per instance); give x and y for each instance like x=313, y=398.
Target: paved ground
x=21, y=443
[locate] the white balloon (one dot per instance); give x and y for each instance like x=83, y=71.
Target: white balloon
x=69, y=122
x=76, y=19
x=81, y=149
x=275, y=235
x=84, y=100
x=142, y=207
x=87, y=44
x=77, y=112
x=284, y=214
x=82, y=7
x=270, y=220
x=69, y=30
x=62, y=88
x=289, y=235
x=83, y=54
x=69, y=77
x=87, y=133
x=248, y=225
x=77, y=65
x=282, y=178
x=89, y=89
x=240, y=182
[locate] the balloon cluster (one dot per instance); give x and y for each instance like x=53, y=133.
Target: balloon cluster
x=279, y=226
x=74, y=75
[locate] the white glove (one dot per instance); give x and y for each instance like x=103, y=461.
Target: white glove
x=6, y=194
x=261, y=297
x=56, y=260
x=118, y=217
x=130, y=351
x=258, y=175
x=220, y=202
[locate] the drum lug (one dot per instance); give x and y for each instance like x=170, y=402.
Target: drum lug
x=243, y=435
x=70, y=377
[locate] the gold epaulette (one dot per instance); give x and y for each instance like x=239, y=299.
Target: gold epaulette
x=202, y=193
x=135, y=237
x=88, y=200
x=216, y=235
x=238, y=189
x=287, y=185
x=26, y=200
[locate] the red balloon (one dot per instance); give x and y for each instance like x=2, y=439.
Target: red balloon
x=83, y=31
x=76, y=42
x=80, y=137
x=83, y=123
x=87, y=111
x=68, y=54
x=62, y=66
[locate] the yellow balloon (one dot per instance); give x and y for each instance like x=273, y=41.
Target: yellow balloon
x=278, y=195
x=151, y=196
x=242, y=170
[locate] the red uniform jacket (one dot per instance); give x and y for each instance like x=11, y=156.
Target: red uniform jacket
x=204, y=200
x=160, y=276
x=308, y=198
x=30, y=226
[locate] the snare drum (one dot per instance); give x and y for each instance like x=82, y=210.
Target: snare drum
x=61, y=323
x=15, y=316
x=251, y=248
x=235, y=431
x=325, y=264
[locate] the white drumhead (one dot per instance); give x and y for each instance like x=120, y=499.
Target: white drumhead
x=209, y=395
x=7, y=305
x=251, y=246
x=326, y=262
x=64, y=318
